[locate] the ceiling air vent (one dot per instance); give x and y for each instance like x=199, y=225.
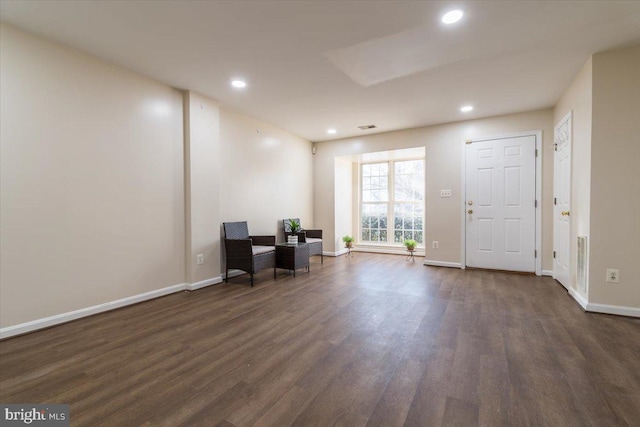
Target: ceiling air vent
x=366, y=127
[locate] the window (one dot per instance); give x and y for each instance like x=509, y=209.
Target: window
x=392, y=207
x=375, y=202
x=408, y=197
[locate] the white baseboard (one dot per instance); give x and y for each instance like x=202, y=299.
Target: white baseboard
x=618, y=310
x=204, y=283
x=547, y=273
x=337, y=253
x=613, y=309
x=46, y=322
x=441, y=263
x=579, y=298
x=84, y=312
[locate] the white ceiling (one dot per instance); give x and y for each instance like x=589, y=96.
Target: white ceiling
x=319, y=64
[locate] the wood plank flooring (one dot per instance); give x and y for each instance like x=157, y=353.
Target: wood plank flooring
x=367, y=341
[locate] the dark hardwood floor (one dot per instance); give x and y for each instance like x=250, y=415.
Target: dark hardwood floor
x=367, y=341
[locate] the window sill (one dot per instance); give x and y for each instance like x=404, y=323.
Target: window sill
x=387, y=249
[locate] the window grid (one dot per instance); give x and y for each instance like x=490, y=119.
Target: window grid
x=396, y=214
x=374, y=222
x=375, y=180
x=408, y=198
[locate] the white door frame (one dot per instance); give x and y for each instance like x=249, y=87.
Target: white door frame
x=538, y=209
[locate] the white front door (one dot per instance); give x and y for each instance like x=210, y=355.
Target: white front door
x=500, y=215
x=562, y=201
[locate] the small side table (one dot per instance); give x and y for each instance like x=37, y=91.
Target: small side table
x=410, y=257
x=292, y=256
x=349, y=254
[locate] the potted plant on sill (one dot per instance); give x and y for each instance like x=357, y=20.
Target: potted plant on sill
x=410, y=244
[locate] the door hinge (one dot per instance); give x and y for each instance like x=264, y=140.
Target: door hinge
x=554, y=254
x=535, y=253
x=555, y=201
x=536, y=152
x=535, y=205
x=555, y=147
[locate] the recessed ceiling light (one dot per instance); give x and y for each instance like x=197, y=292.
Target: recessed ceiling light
x=239, y=84
x=331, y=131
x=466, y=108
x=452, y=16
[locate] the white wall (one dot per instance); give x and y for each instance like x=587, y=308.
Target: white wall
x=112, y=183
x=202, y=186
x=443, y=170
x=266, y=175
x=577, y=99
x=344, y=195
x=91, y=181
x=615, y=178
x=605, y=100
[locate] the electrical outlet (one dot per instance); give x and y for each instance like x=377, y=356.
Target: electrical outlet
x=445, y=193
x=200, y=258
x=434, y=245
x=613, y=275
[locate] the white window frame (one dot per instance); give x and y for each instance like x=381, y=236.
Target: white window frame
x=391, y=202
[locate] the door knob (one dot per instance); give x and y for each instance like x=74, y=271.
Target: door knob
x=470, y=211
x=565, y=213
x=470, y=202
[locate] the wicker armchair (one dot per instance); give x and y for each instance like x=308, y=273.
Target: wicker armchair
x=312, y=237
x=248, y=253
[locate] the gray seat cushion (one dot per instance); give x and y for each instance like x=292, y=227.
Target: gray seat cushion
x=313, y=240
x=257, y=250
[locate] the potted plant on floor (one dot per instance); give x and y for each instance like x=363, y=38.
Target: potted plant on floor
x=348, y=241
x=410, y=244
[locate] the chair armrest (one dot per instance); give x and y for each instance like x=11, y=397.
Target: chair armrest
x=263, y=240
x=314, y=234
x=238, y=248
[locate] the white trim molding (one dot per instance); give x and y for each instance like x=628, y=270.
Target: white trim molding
x=204, y=283
x=579, y=298
x=57, y=319
x=590, y=307
x=547, y=273
x=442, y=263
x=337, y=253
x=613, y=309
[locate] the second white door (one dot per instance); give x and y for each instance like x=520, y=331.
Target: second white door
x=500, y=215
x=562, y=201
